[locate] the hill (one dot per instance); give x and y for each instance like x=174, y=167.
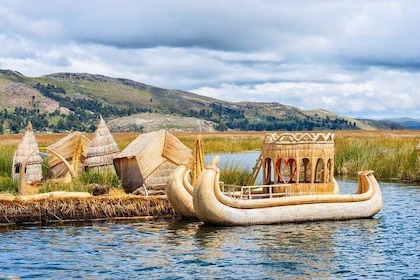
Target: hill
x=409, y=123
x=73, y=101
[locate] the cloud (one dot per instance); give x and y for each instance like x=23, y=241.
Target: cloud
x=355, y=59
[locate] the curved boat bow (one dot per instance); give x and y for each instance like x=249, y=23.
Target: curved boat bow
x=179, y=192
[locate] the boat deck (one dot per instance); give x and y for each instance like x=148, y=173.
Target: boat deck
x=272, y=191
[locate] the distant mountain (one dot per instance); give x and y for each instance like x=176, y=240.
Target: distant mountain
x=73, y=101
x=409, y=123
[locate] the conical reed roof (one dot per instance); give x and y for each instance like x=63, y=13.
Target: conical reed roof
x=103, y=147
x=28, y=150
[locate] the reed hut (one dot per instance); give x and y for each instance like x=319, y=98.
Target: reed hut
x=27, y=153
x=102, y=150
x=67, y=156
x=150, y=159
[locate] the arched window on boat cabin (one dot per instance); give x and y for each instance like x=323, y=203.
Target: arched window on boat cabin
x=319, y=171
x=286, y=169
x=328, y=177
x=268, y=174
x=305, y=171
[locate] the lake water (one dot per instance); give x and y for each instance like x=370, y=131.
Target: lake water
x=384, y=247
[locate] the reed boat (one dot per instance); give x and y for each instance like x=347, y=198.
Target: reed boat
x=243, y=207
x=298, y=186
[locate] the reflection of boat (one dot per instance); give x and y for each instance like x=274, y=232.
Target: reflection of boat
x=298, y=186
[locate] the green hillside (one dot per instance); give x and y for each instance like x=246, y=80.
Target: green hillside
x=73, y=101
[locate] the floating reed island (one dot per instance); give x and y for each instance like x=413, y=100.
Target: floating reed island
x=81, y=207
x=141, y=170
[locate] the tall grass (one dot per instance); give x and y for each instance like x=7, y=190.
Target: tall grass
x=6, y=160
x=82, y=182
x=8, y=185
x=233, y=174
x=226, y=144
x=391, y=157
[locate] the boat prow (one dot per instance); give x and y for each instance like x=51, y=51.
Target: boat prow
x=179, y=192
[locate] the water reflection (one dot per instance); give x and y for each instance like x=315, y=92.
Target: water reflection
x=385, y=247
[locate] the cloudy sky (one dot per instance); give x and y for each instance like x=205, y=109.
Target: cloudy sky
x=354, y=58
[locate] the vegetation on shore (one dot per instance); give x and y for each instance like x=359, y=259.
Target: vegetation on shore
x=390, y=154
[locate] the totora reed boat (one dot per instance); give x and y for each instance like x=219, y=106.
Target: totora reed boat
x=298, y=186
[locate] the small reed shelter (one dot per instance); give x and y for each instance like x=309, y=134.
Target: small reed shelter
x=67, y=156
x=27, y=157
x=301, y=163
x=149, y=160
x=102, y=150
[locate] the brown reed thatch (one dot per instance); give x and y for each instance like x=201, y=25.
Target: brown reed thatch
x=150, y=159
x=66, y=209
x=102, y=149
x=73, y=148
x=28, y=151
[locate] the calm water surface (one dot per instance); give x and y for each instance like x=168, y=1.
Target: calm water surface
x=385, y=247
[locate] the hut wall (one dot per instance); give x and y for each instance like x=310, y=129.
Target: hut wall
x=129, y=173
x=160, y=175
x=102, y=169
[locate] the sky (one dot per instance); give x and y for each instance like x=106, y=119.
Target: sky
x=358, y=59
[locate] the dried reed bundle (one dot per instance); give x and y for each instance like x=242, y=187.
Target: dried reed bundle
x=198, y=158
x=62, y=209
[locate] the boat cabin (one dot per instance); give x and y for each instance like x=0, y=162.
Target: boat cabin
x=299, y=163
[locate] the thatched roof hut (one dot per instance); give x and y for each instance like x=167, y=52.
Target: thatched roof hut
x=102, y=150
x=150, y=159
x=72, y=148
x=28, y=151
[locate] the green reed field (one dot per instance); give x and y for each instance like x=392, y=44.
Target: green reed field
x=390, y=154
